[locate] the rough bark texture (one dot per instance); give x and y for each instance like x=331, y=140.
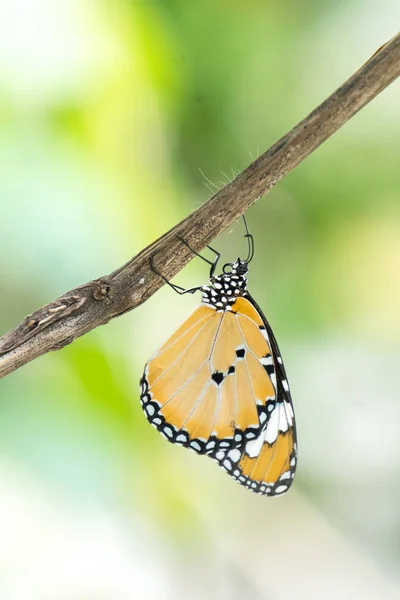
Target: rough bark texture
x=96, y=302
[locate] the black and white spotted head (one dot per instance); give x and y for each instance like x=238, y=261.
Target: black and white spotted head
x=239, y=267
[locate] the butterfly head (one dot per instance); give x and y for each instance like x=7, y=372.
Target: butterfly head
x=239, y=267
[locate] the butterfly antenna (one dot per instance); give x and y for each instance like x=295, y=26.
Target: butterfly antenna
x=250, y=240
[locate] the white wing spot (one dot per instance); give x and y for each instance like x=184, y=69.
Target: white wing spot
x=266, y=360
x=253, y=448
x=168, y=431
x=234, y=455
x=224, y=445
x=271, y=432
x=289, y=410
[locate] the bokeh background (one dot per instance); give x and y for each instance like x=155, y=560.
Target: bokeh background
x=117, y=119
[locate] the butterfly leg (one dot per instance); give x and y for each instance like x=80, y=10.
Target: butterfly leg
x=215, y=261
x=250, y=241
x=212, y=263
x=177, y=288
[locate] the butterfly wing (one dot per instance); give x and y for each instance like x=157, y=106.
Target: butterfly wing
x=267, y=464
x=211, y=386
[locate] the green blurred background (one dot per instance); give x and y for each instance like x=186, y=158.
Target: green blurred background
x=117, y=119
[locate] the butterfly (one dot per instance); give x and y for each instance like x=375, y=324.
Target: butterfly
x=218, y=385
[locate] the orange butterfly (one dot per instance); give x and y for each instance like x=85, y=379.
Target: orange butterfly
x=219, y=387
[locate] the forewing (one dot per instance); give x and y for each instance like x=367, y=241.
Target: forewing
x=210, y=386
x=176, y=391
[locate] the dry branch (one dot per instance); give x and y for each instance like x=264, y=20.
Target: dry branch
x=95, y=303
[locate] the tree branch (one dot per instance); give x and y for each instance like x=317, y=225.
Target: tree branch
x=95, y=303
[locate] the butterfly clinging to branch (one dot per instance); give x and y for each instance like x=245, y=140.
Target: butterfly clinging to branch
x=218, y=385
